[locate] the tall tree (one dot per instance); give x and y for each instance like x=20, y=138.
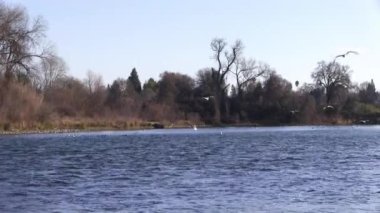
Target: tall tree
x=367, y=92
x=96, y=94
x=134, y=80
x=331, y=76
x=115, y=94
x=205, y=83
x=93, y=81
x=175, y=88
x=150, y=84
x=225, y=60
x=149, y=90
x=50, y=70
x=277, y=98
x=20, y=42
x=245, y=72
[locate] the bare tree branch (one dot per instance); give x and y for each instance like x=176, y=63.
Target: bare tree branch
x=20, y=41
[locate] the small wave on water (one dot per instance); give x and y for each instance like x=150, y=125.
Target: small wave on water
x=269, y=169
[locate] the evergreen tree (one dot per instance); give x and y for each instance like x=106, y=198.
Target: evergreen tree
x=135, y=81
x=114, y=95
x=151, y=84
x=371, y=91
x=367, y=92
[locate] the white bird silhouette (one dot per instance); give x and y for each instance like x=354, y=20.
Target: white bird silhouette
x=207, y=98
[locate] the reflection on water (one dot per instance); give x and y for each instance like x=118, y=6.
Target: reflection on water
x=313, y=169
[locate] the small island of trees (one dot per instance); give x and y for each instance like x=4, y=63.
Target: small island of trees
x=36, y=92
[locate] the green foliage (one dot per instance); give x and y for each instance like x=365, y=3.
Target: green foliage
x=151, y=84
x=364, y=109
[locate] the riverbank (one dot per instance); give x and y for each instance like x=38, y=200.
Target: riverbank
x=89, y=125
x=97, y=126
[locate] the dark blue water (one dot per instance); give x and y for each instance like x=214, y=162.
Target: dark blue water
x=294, y=169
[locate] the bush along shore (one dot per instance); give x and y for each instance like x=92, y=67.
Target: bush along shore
x=69, y=126
x=74, y=126
x=37, y=94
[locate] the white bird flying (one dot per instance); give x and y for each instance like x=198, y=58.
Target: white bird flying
x=348, y=52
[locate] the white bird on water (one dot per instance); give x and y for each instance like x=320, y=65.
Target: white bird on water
x=195, y=127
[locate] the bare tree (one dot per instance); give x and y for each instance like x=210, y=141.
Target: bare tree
x=50, y=70
x=245, y=72
x=93, y=81
x=331, y=76
x=95, y=94
x=225, y=60
x=20, y=41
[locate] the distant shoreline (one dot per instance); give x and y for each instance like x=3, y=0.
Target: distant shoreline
x=63, y=131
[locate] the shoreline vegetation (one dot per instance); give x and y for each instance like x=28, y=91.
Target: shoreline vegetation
x=38, y=95
x=75, y=127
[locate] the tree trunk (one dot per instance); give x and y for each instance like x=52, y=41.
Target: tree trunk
x=217, y=106
x=240, y=99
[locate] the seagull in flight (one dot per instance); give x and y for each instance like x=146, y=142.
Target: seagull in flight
x=348, y=52
x=207, y=98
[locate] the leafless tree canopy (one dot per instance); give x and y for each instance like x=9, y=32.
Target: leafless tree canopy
x=35, y=89
x=20, y=41
x=247, y=71
x=93, y=81
x=50, y=70
x=330, y=76
x=225, y=60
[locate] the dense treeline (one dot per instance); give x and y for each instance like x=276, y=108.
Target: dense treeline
x=37, y=92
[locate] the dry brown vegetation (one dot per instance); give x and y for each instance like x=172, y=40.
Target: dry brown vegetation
x=36, y=93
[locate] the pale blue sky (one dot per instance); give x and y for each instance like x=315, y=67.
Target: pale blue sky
x=111, y=37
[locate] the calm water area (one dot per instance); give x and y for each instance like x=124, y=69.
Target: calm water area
x=265, y=169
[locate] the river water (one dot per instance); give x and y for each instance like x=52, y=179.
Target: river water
x=278, y=169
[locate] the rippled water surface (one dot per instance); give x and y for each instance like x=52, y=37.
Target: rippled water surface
x=287, y=169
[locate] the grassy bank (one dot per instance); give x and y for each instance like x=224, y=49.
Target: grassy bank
x=78, y=125
x=83, y=125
